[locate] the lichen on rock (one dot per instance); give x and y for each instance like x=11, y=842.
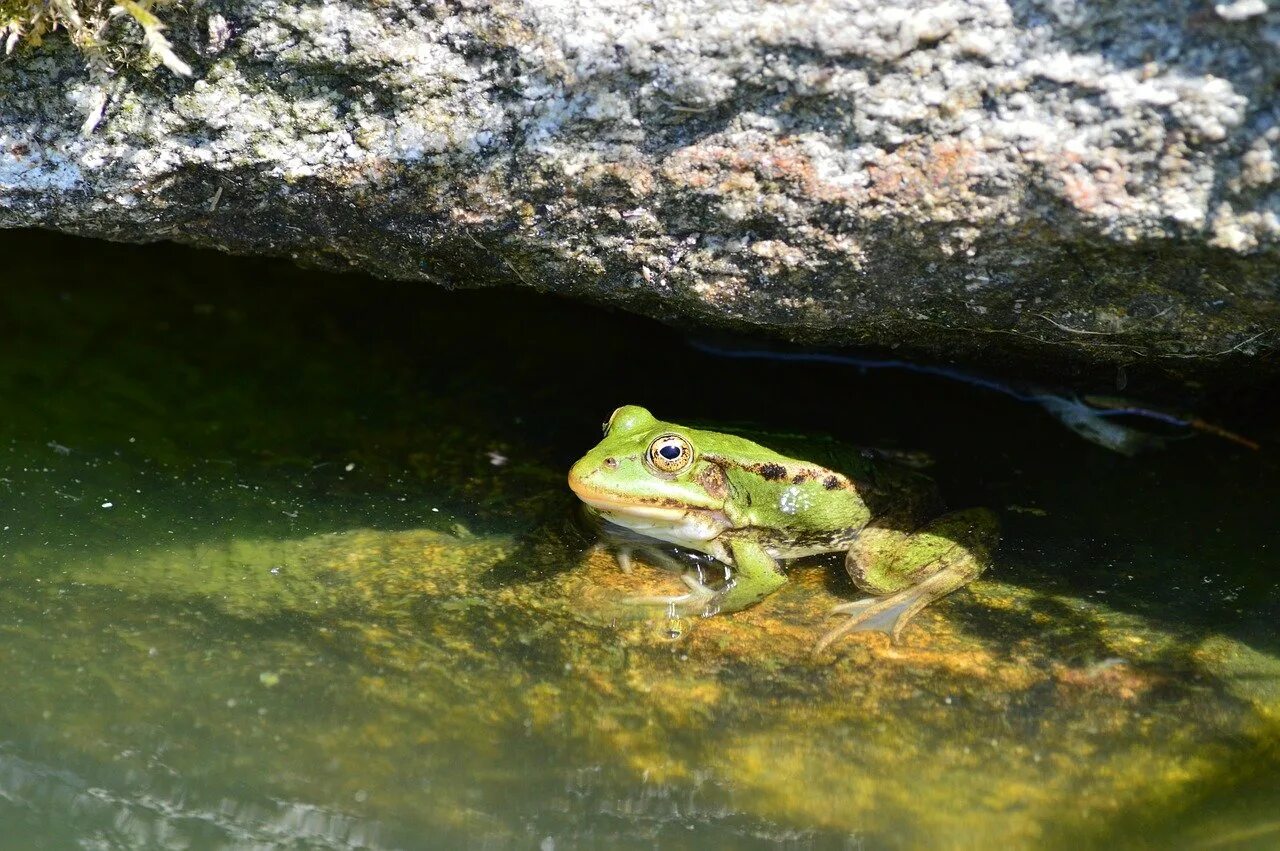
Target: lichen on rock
x=988, y=177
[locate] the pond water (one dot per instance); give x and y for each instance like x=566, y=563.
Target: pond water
x=287, y=559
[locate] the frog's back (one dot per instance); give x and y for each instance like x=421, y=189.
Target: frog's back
x=879, y=479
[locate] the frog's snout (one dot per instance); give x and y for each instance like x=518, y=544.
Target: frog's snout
x=582, y=473
x=579, y=474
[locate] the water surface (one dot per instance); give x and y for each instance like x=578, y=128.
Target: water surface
x=287, y=558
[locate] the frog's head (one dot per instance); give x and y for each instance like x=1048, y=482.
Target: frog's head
x=647, y=473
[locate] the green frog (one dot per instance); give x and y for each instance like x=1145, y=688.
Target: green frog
x=753, y=508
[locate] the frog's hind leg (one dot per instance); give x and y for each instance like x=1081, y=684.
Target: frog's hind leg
x=910, y=570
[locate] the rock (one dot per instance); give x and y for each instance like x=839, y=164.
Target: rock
x=986, y=178
x=407, y=672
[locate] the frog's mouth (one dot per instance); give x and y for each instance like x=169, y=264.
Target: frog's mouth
x=612, y=505
x=678, y=523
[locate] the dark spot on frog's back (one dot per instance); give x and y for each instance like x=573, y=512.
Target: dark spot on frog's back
x=831, y=483
x=801, y=477
x=772, y=472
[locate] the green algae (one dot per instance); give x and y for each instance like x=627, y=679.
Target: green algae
x=339, y=598
x=958, y=732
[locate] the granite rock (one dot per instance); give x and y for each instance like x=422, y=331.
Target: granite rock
x=1057, y=179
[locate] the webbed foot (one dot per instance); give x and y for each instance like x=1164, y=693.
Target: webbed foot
x=909, y=570
x=892, y=613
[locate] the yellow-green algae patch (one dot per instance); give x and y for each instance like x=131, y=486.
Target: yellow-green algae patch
x=1006, y=716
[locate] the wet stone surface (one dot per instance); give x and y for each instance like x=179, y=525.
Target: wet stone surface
x=261, y=582
x=999, y=705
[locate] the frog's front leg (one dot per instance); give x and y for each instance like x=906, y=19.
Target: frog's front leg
x=755, y=576
x=909, y=570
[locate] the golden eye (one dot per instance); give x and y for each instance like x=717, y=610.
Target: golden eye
x=670, y=453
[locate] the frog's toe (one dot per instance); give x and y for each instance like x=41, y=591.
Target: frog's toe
x=621, y=555
x=870, y=615
x=695, y=602
x=854, y=608
x=890, y=614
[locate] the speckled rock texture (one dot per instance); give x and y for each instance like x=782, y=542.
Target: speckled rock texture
x=1059, y=179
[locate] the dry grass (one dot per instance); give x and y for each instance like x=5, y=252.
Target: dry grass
x=89, y=25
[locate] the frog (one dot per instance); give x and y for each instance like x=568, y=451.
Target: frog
x=755, y=509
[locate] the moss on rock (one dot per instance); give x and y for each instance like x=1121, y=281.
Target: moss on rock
x=1002, y=705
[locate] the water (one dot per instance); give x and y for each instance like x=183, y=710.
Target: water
x=287, y=559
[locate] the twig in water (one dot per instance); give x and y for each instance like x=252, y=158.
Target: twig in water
x=1071, y=330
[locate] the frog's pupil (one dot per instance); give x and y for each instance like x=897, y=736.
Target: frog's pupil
x=671, y=452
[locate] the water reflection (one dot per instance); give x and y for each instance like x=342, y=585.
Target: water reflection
x=158, y=815
x=299, y=567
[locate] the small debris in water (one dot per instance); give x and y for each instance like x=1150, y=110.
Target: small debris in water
x=270, y=679
x=350, y=466
x=108, y=504
x=497, y=459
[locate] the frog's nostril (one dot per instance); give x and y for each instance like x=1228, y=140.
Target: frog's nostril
x=611, y=463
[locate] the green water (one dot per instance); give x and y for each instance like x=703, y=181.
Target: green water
x=286, y=559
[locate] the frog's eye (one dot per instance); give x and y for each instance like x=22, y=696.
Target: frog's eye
x=670, y=453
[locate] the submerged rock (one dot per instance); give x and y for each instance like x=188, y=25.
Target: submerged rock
x=1088, y=179
x=373, y=675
